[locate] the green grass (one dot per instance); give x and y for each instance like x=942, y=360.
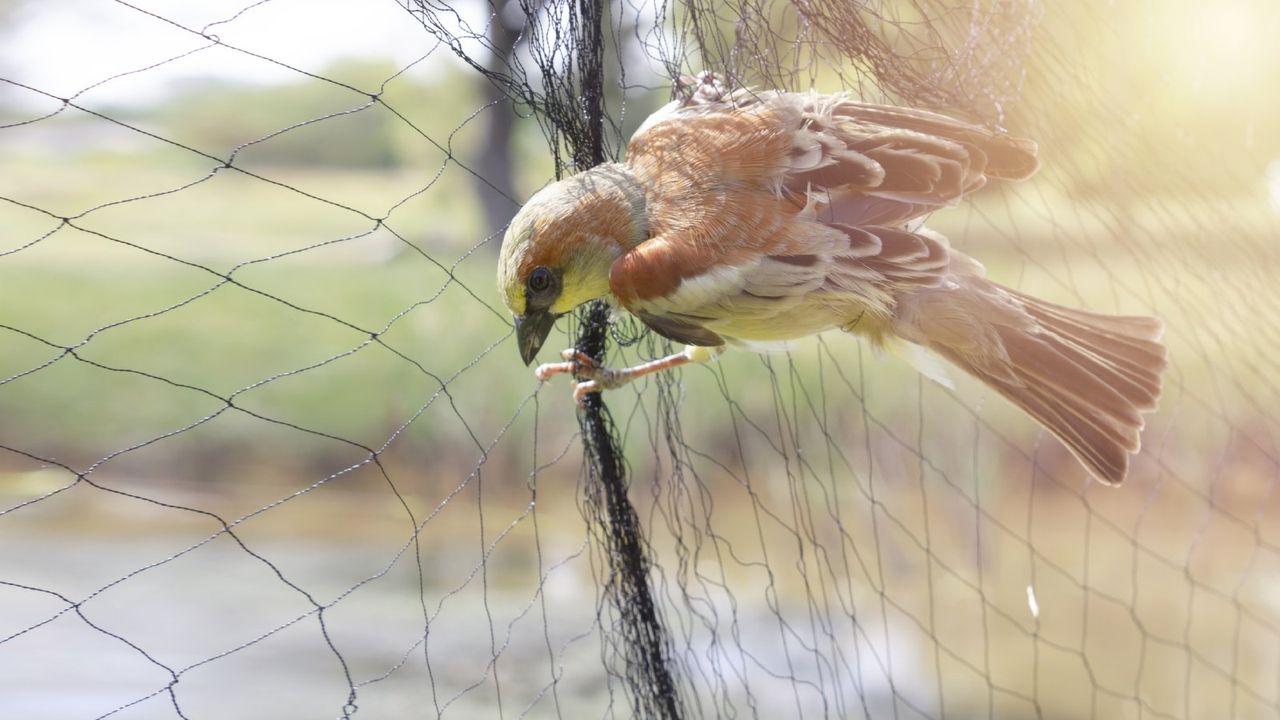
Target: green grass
x=227, y=284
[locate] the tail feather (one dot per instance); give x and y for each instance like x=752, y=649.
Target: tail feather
x=1098, y=448
x=1128, y=346
x=1086, y=377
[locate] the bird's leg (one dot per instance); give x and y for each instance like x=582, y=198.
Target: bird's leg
x=597, y=378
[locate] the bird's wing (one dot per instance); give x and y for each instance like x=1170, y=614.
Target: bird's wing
x=864, y=164
x=849, y=162
x=761, y=202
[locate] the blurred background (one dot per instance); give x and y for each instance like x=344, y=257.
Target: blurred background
x=267, y=449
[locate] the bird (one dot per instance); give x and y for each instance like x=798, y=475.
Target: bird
x=750, y=218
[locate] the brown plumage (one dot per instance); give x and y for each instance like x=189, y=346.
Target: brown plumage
x=751, y=218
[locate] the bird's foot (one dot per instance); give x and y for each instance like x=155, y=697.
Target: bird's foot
x=702, y=89
x=594, y=377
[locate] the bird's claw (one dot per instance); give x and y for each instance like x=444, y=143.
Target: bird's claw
x=594, y=377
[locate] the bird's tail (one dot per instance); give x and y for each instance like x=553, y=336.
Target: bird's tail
x=1085, y=376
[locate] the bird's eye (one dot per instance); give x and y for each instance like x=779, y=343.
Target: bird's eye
x=540, y=280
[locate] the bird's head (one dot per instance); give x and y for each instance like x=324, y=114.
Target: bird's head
x=558, y=249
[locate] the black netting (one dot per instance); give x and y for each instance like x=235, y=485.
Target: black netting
x=268, y=450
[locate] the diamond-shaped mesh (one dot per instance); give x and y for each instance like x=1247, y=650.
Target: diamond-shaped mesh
x=267, y=450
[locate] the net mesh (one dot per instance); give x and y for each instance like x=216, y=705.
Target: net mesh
x=267, y=450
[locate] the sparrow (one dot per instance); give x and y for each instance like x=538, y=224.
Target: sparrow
x=751, y=218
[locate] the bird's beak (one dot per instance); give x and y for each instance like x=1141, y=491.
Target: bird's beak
x=531, y=331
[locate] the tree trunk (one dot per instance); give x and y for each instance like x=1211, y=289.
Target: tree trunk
x=495, y=186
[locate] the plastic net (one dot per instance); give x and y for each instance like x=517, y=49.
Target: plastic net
x=267, y=450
